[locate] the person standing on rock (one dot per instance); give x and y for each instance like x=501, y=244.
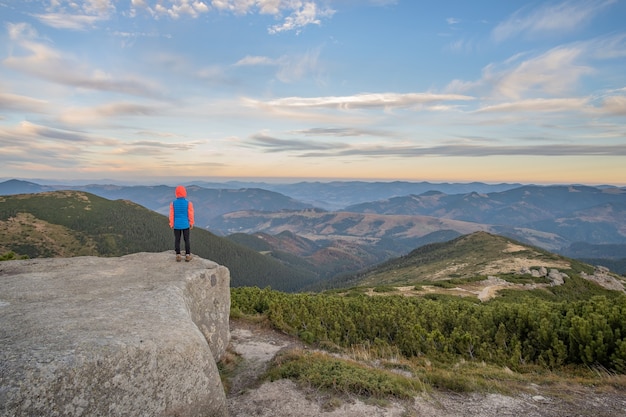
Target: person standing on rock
x=181, y=220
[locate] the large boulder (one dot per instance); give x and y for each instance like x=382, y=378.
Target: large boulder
x=132, y=336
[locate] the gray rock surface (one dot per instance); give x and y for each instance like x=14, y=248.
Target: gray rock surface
x=132, y=336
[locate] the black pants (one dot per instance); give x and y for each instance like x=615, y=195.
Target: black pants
x=185, y=233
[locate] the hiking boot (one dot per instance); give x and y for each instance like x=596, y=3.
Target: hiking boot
x=188, y=257
x=178, y=257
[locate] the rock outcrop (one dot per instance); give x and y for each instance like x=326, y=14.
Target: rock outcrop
x=602, y=276
x=132, y=336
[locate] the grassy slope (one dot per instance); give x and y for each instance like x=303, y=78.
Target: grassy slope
x=464, y=257
x=470, y=258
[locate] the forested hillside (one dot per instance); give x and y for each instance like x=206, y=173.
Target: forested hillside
x=73, y=223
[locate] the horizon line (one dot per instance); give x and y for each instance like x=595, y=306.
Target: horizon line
x=278, y=180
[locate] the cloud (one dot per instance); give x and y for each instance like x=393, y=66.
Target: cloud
x=87, y=14
x=308, y=14
x=344, y=132
x=367, y=101
x=538, y=105
x=299, y=14
x=556, y=72
x=564, y=17
x=289, y=68
x=292, y=69
x=174, y=9
x=466, y=46
x=66, y=21
x=48, y=150
x=41, y=61
x=106, y=112
x=181, y=146
x=607, y=47
x=129, y=38
x=313, y=149
x=152, y=133
x=43, y=132
x=254, y=61
x=272, y=144
x=154, y=148
x=72, y=15
x=615, y=105
x=21, y=32
x=16, y=102
x=35, y=133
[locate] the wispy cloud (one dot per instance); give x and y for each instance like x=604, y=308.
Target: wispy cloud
x=252, y=61
x=289, y=68
x=273, y=144
x=538, y=105
x=16, y=102
x=344, y=132
x=368, y=101
x=550, y=18
x=615, y=105
x=554, y=73
x=48, y=149
x=316, y=149
x=153, y=148
x=35, y=132
x=72, y=15
x=68, y=21
x=183, y=146
x=38, y=59
x=107, y=113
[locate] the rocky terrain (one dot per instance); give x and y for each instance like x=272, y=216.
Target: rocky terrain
x=250, y=396
x=137, y=335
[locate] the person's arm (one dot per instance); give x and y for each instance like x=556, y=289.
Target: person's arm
x=171, y=215
x=190, y=213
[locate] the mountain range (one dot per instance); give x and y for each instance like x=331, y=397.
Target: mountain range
x=377, y=221
x=333, y=195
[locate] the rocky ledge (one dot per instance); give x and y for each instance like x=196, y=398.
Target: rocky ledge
x=137, y=335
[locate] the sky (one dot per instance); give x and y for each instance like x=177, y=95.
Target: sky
x=285, y=90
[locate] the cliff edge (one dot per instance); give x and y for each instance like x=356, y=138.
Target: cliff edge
x=136, y=335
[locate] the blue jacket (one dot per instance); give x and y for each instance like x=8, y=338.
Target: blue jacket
x=181, y=210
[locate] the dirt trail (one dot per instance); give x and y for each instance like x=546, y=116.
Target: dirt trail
x=257, y=345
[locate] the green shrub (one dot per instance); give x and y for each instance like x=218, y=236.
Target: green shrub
x=527, y=331
x=323, y=371
x=10, y=255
